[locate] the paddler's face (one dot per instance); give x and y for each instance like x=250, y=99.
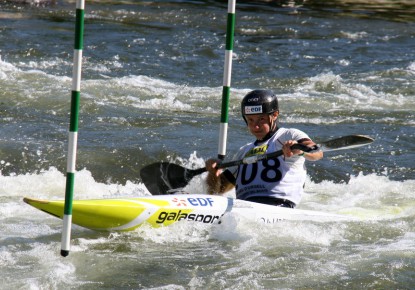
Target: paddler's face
x=259, y=125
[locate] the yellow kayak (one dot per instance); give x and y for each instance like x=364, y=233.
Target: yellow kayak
x=127, y=214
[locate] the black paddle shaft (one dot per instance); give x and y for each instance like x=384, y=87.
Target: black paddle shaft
x=160, y=177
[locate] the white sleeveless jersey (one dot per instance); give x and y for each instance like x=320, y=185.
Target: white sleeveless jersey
x=274, y=177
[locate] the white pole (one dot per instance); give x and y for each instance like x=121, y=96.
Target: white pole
x=223, y=130
x=73, y=128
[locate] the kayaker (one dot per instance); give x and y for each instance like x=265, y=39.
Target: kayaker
x=277, y=181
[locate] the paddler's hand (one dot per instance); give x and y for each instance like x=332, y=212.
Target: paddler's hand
x=216, y=183
x=211, y=167
x=286, y=149
x=310, y=156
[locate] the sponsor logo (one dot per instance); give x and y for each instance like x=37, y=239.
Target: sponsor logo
x=253, y=110
x=259, y=150
x=271, y=221
x=174, y=216
x=199, y=201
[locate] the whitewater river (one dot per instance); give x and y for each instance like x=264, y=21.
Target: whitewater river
x=151, y=91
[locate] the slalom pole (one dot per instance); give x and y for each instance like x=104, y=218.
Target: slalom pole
x=73, y=127
x=230, y=29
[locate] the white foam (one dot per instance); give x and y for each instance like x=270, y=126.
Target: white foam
x=366, y=196
x=51, y=183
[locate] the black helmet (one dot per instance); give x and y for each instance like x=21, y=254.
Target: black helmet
x=259, y=102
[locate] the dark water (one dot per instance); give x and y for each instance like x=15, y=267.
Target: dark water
x=151, y=90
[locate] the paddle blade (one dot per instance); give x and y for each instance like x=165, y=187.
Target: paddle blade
x=161, y=177
x=346, y=142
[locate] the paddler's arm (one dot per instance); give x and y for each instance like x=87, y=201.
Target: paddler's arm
x=217, y=179
x=311, y=156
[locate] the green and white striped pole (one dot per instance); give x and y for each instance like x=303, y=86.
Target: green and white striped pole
x=73, y=127
x=223, y=131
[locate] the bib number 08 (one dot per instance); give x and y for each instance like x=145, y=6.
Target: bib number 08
x=269, y=171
